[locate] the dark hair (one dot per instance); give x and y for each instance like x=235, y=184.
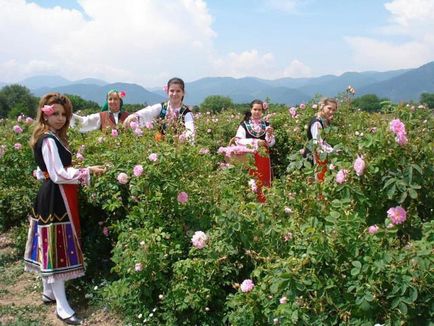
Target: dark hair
x=248, y=114
x=177, y=81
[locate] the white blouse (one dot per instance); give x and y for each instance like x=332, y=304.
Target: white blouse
x=242, y=140
x=57, y=172
x=315, y=130
x=90, y=122
x=150, y=113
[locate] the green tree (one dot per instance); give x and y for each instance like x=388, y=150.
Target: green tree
x=80, y=104
x=368, y=102
x=216, y=103
x=18, y=99
x=428, y=99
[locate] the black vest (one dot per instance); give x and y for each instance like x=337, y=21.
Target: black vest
x=249, y=130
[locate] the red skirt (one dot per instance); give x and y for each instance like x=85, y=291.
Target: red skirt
x=262, y=174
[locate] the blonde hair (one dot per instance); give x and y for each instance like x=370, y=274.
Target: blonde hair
x=41, y=125
x=327, y=100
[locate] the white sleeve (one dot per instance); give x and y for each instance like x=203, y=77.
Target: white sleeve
x=315, y=130
x=148, y=114
x=189, y=127
x=57, y=172
x=87, y=123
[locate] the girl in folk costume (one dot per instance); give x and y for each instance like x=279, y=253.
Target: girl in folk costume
x=53, y=246
x=321, y=121
x=256, y=132
x=110, y=116
x=172, y=113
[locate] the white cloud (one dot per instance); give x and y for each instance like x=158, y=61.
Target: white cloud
x=138, y=41
x=247, y=63
x=297, y=69
x=413, y=23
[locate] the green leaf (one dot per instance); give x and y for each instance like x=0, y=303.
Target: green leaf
x=356, y=264
x=355, y=271
x=391, y=192
x=412, y=193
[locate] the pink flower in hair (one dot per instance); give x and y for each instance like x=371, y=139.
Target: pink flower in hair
x=48, y=110
x=122, y=94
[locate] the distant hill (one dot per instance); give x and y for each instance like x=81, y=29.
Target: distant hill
x=397, y=85
x=404, y=87
x=241, y=90
x=136, y=94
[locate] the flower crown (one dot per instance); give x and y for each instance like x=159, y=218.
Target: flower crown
x=48, y=110
x=121, y=94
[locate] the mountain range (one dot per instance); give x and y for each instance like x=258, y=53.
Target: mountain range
x=396, y=85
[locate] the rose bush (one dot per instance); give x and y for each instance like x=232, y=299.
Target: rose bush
x=330, y=249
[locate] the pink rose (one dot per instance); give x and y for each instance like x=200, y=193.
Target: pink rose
x=199, y=239
x=401, y=139
x=288, y=210
x=105, y=231
x=397, y=215
x=341, y=177
x=138, y=267
x=204, y=151
x=153, y=157
x=29, y=121
x=253, y=186
x=397, y=126
x=149, y=125
x=359, y=165
x=293, y=111
x=115, y=133
x=138, y=170
x=18, y=146
x=122, y=178
x=80, y=156
x=288, y=236
x=247, y=286
x=373, y=229
x=283, y=300
x=134, y=124
x=48, y=110
x=265, y=106
x=17, y=129
x=182, y=197
x=302, y=106
x=138, y=132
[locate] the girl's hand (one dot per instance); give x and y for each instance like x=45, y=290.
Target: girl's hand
x=97, y=169
x=128, y=120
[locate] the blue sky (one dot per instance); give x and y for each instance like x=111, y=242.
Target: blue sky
x=147, y=42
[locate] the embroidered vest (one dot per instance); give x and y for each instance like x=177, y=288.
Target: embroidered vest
x=250, y=133
x=108, y=120
x=165, y=110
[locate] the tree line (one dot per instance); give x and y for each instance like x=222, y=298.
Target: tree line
x=16, y=99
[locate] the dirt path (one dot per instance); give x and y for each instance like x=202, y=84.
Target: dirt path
x=20, y=295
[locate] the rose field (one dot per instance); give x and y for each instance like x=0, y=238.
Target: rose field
x=173, y=234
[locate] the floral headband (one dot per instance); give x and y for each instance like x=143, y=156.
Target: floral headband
x=48, y=110
x=121, y=94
